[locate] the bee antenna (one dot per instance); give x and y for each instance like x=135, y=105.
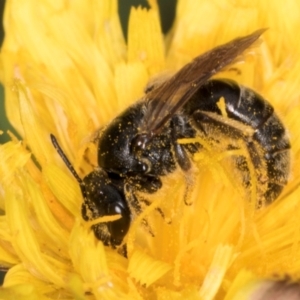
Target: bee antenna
x=64, y=158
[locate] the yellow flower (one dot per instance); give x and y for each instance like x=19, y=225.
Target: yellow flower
x=67, y=70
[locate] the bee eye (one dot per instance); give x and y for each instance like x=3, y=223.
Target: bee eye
x=118, y=228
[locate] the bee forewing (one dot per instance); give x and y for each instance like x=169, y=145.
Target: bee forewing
x=166, y=99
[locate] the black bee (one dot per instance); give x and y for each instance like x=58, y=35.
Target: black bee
x=141, y=144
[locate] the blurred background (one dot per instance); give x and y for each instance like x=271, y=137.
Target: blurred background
x=167, y=11
x=3, y=121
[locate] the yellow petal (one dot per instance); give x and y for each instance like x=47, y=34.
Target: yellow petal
x=146, y=270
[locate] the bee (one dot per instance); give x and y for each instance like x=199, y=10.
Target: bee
x=141, y=144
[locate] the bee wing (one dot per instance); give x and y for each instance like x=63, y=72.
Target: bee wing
x=166, y=99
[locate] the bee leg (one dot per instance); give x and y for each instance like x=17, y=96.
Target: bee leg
x=181, y=129
x=123, y=250
x=188, y=191
x=182, y=157
x=158, y=209
x=184, y=162
x=146, y=183
x=135, y=206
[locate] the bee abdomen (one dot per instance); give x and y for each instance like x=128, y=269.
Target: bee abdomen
x=254, y=121
x=270, y=134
